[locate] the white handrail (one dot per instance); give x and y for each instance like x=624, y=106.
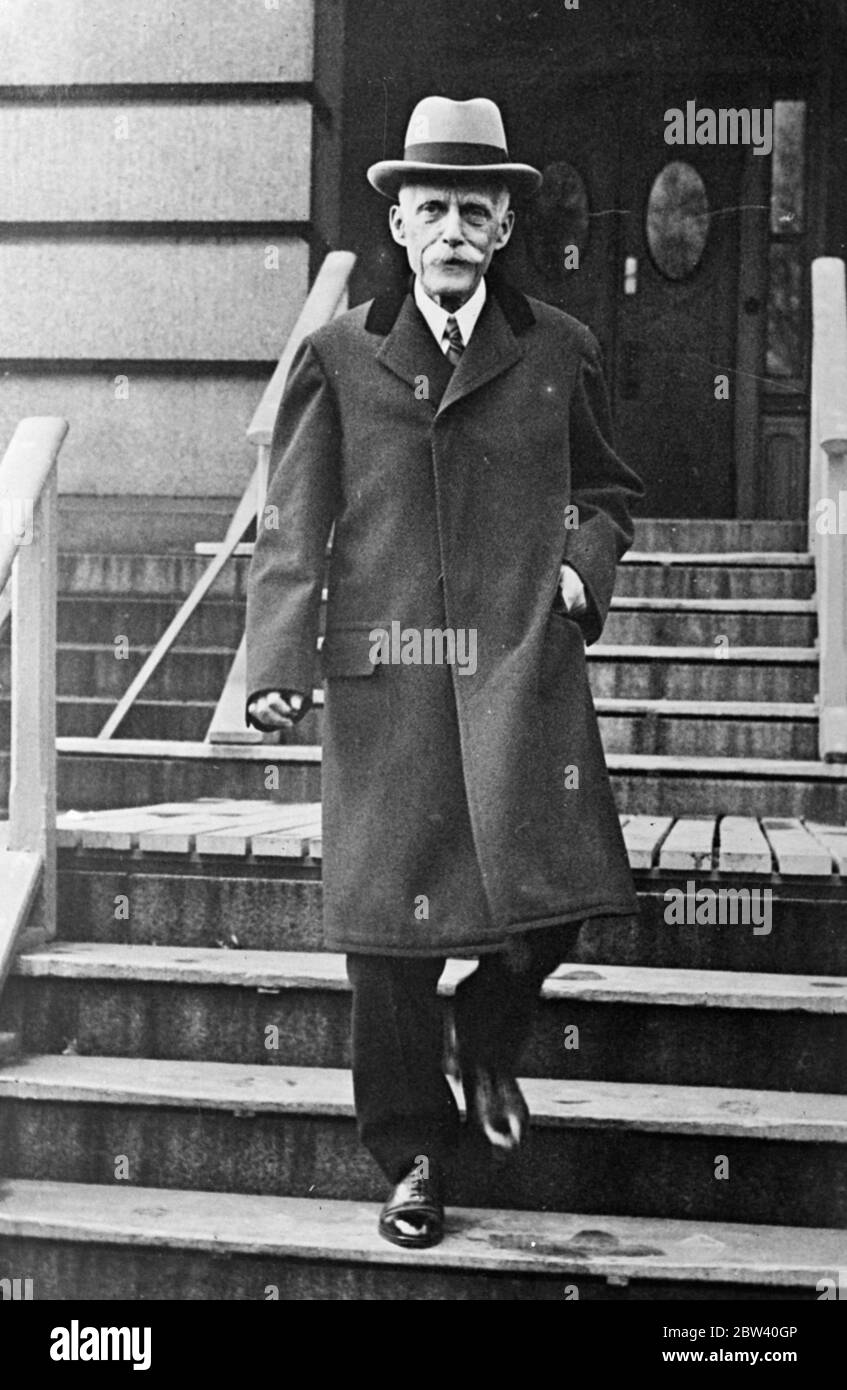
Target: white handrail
x=828, y=497
x=326, y=297
x=28, y=505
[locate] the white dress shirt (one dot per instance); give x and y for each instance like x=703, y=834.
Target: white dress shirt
x=572, y=588
x=437, y=317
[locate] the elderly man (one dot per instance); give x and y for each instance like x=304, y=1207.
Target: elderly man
x=457, y=438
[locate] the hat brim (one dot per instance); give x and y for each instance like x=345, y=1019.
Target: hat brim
x=388, y=175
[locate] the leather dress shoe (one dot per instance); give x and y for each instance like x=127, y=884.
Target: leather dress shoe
x=413, y=1215
x=494, y=1103
x=495, y=1106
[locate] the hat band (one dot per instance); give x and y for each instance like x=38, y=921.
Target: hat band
x=454, y=152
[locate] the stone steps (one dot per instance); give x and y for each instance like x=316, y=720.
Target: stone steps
x=83, y=716
x=218, y=621
x=609, y=1147
x=615, y=670
x=684, y=728
x=149, y=1244
x=707, y=627
x=709, y=728
x=749, y=574
x=716, y=534
x=208, y=873
x=635, y=1024
x=642, y=578
x=96, y=773
x=91, y=619
x=140, y=1036
x=707, y=671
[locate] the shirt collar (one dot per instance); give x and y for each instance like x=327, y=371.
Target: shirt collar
x=437, y=317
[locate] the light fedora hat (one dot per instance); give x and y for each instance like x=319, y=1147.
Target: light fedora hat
x=453, y=138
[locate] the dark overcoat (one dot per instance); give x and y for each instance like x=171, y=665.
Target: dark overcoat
x=459, y=805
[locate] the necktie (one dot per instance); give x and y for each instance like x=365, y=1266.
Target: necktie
x=453, y=339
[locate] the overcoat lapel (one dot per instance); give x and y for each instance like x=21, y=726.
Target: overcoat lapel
x=492, y=350
x=410, y=350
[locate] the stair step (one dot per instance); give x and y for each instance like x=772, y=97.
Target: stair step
x=82, y=716
x=299, y=970
x=218, y=621
x=277, y=906
x=255, y=826
x=707, y=626
x=267, y=828
x=632, y=1024
x=85, y=619
x=188, y=673
x=94, y=773
x=771, y=674
x=677, y=728
x=710, y=728
x=710, y=709
x=719, y=1112
x=693, y=533
x=166, y=576
x=715, y=581
x=782, y=607
x=737, y=559
x=757, y=571
x=753, y=656
x=658, y=784
x=633, y=1149
x=173, y=750
x=306, y=1249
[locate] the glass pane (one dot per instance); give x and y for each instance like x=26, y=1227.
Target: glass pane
x=785, y=312
x=558, y=220
x=677, y=220
x=789, y=167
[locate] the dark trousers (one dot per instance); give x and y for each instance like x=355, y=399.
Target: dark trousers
x=404, y=1105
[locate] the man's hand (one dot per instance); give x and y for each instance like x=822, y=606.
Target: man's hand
x=573, y=590
x=275, y=709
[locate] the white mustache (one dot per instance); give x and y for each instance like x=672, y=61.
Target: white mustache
x=466, y=257
x=454, y=260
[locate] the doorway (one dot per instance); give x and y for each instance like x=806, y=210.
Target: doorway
x=642, y=240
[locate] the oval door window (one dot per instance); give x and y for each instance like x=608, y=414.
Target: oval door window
x=677, y=220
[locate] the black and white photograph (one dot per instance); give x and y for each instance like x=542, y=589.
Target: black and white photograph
x=423, y=664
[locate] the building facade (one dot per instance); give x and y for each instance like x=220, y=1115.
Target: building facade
x=175, y=172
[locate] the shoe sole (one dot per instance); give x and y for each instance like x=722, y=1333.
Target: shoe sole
x=409, y=1242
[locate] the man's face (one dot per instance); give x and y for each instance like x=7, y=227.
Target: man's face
x=450, y=234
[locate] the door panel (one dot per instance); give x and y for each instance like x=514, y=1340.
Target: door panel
x=677, y=312
x=580, y=146
x=668, y=328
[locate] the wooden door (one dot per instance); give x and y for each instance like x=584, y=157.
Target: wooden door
x=676, y=299
x=657, y=231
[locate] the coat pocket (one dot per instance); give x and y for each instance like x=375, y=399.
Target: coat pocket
x=347, y=652
x=562, y=657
